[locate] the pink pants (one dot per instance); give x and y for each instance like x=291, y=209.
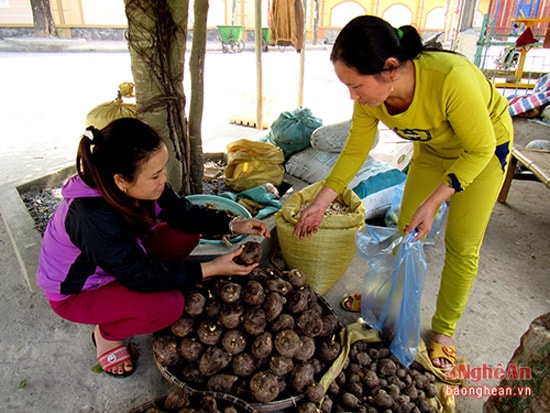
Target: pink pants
x=121, y=313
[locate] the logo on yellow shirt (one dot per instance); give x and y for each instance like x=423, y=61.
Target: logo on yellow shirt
x=421, y=135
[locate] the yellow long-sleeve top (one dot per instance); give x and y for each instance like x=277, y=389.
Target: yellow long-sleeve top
x=455, y=113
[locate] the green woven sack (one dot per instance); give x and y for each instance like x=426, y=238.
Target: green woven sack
x=325, y=256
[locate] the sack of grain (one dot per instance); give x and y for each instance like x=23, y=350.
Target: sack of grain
x=325, y=256
x=105, y=113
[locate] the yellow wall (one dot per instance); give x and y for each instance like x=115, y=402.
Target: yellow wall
x=110, y=13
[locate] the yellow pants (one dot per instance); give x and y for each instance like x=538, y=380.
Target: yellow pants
x=468, y=215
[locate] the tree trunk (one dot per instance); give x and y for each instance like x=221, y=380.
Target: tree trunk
x=157, y=33
x=44, y=25
x=196, y=67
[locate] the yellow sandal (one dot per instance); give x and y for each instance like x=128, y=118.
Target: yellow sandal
x=352, y=303
x=438, y=350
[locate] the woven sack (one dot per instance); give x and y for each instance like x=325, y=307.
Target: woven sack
x=105, y=113
x=325, y=256
x=253, y=163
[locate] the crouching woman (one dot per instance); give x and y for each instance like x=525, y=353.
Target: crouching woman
x=114, y=253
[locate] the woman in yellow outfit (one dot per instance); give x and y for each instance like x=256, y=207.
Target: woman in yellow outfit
x=462, y=135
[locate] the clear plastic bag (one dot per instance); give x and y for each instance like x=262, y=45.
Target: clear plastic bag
x=393, y=284
x=392, y=287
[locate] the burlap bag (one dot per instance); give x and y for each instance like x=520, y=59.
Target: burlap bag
x=325, y=256
x=105, y=113
x=253, y=163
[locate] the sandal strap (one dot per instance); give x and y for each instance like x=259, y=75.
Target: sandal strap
x=114, y=357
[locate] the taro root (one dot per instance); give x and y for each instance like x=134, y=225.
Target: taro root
x=192, y=375
x=430, y=390
x=310, y=323
x=209, y=404
x=190, y=348
x=165, y=349
x=251, y=253
x=231, y=316
x=259, y=274
x=371, y=379
x=287, y=343
x=283, y=322
x=212, y=308
x=301, y=376
x=278, y=285
x=352, y=402
x=253, y=293
x=329, y=349
x=307, y=348
x=213, y=361
x=262, y=346
x=244, y=364
x=298, y=301
x=230, y=292
x=297, y=278
x=177, y=398
x=254, y=320
x=221, y=382
x=307, y=407
x=183, y=326
x=234, y=342
x=383, y=399
x=330, y=325
x=326, y=406
x=194, y=304
x=264, y=386
x=273, y=305
x=315, y=392
x=280, y=365
x=209, y=332
x=386, y=367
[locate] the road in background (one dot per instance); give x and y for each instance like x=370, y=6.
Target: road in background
x=45, y=98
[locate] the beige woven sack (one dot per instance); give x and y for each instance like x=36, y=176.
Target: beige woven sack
x=253, y=163
x=105, y=113
x=325, y=256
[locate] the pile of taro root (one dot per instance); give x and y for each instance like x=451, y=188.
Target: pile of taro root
x=266, y=337
x=262, y=338
x=373, y=380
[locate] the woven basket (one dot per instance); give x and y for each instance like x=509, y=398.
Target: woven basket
x=325, y=256
x=223, y=399
x=274, y=406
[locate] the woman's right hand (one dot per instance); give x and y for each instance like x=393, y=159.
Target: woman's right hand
x=313, y=214
x=224, y=265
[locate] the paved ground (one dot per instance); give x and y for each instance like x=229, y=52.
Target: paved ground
x=47, y=362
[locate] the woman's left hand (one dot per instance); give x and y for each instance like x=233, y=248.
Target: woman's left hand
x=250, y=226
x=422, y=221
x=424, y=216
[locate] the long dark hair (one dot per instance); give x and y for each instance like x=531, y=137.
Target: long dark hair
x=121, y=147
x=366, y=42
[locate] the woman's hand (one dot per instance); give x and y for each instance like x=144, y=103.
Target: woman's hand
x=250, y=226
x=224, y=265
x=313, y=214
x=424, y=216
x=422, y=221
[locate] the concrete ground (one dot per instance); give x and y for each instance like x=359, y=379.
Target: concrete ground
x=47, y=362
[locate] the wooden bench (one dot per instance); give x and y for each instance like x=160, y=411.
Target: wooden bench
x=535, y=160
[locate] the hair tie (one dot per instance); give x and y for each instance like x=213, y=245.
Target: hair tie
x=399, y=33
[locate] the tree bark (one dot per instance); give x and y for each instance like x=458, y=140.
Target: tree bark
x=157, y=33
x=196, y=67
x=42, y=16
